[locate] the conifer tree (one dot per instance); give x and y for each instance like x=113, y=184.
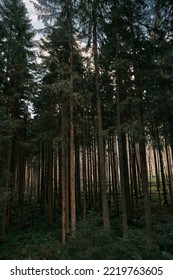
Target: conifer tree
x=63, y=64
x=17, y=56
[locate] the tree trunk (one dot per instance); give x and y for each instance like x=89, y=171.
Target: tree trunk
x=157, y=176
x=102, y=174
x=72, y=146
x=144, y=175
x=63, y=165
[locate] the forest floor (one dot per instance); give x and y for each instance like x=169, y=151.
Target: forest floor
x=37, y=241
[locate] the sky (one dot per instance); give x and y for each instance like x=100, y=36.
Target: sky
x=32, y=14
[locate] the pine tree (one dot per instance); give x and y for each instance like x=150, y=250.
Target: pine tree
x=63, y=63
x=91, y=14
x=18, y=59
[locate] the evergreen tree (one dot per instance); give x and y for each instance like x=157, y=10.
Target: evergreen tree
x=60, y=87
x=16, y=76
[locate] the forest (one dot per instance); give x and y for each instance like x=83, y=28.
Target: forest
x=86, y=130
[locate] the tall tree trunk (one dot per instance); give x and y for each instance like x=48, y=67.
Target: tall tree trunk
x=165, y=195
x=6, y=183
x=50, y=183
x=77, y=170
x=134, y=175
x=42, y=201
x=169, y=174
x=84, y=176
x=114, y=175
x=157, y=176
x=122, y=174
x=142, y=148
x=126, y=176
x=120, y=144
x=63, y=165
x=72, y=146
x=102, y=174
x=55, y=176
x=144, y=175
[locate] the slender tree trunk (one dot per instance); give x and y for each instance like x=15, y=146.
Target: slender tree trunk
x=6, y=182
x=84, y=177
x=126, y=176
x=50, y=183
x=42, y=202
x=114, y=176
x=134, y=176
x=169, y=174
x=72, y=175
x=144, y=175
x=122, y=174
x=142, y=148
x=102, y=174
x=120, y=146
x=77, y=170
x=72, y=146
x=95, y=180
x=63, y=166
x=165, y=195
x=55, y=184
x=157, y=176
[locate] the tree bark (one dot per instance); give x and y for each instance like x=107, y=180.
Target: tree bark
x=102, y=174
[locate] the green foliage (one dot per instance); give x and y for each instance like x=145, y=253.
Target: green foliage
x=104, y=244
x=30, y=238
x=38, y=241
x=166, y=255
x=33, y=243
x=94, y=242
x=163, y=228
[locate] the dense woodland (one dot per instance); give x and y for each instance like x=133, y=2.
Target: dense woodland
x=86, y=130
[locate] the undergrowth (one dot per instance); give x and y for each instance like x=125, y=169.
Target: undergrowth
x=38, y=241
x=95, y=242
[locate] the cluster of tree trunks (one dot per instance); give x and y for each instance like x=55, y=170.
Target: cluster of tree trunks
x=87, y=146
